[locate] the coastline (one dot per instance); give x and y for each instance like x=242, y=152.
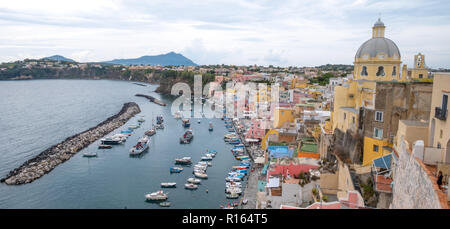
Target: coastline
x=48, y=159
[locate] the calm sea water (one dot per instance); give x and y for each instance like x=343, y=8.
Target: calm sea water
x=39, y=113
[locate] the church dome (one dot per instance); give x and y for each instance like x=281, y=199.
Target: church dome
x=378, y=45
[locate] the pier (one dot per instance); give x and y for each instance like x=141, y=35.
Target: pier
x=48, y=159
x=152, y=99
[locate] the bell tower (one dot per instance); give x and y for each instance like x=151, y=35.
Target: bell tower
x=378, y=29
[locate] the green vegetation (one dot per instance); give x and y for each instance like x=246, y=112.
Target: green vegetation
x=323, y=79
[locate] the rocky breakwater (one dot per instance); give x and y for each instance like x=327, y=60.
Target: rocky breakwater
x=47, y=160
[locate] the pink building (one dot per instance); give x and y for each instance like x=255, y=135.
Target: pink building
x=257, y=129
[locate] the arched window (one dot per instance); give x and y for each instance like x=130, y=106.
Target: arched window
x=364, y=71
x=394, y=71
x=380, y=71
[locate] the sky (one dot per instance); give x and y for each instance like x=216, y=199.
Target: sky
x=239, y=32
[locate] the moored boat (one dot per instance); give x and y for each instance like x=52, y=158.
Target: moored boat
x=168, y=185
x=176, y=169
x=150, y=132
x=141, y=146
x=201, y=175
x=210, y=127
x=101, y=146
x=190, y=186
x=232, y=196
x=186, y=123
x=159, y=195
x=194, y=180
x=90, y=154
x=183, y=161
x=187, y=137
x=164, y=204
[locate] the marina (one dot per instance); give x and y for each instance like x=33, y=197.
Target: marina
x=113, y=169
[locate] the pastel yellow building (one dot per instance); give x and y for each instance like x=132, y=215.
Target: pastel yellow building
x=378, y=60
x=283, y=116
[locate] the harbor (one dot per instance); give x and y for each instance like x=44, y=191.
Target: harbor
x=113, y=178
x=47, y=160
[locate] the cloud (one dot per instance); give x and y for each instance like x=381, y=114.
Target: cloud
x=241, y=32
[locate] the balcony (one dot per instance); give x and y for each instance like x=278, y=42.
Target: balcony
x=440, y=113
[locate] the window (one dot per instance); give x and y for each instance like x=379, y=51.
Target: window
x=375, y=148
x=353, y=120
x=394, y=71
x=378, y=116
x=420, y=76
x=380, y=71
x=378, y=133
x=364, y=71
x=444, y=102
x=345, y=116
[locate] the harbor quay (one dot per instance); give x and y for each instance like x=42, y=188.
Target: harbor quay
x=47, y=160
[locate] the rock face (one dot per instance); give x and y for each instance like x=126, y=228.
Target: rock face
x=48, y=159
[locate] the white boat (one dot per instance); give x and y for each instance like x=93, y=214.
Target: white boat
x=89, y=154
x=133, y=126
x=141, y=146
x=194, y=180
x=151, y=132
x=190, y=186
x=206, y=158
x=232, y=196
x=211, y=155
x=159, y=195
x=199, y=121
x=169, y=185
x=111, y=141
x=201, y=175
x=141, y=120
x=177, y=115
x=164, y=204
x=233, y=190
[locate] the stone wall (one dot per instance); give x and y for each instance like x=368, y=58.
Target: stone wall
x=413, y=188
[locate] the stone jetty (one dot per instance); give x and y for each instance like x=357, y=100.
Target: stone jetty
x=152, y=99
x=48, y=159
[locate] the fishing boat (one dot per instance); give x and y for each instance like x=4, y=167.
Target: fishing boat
x=183, y=161
x=141, y=146
x=176, y=169
x=210, y=127
x=206, y=158
x=186, y=123
x=150, y=132
x=159, y=119
x=194, y=180
x=159, y=195
x=201, y=175
x=190, y=186
x=89, y=154
x=164, y=204
x=169, y=185
x=101, y=146
x=187, y=137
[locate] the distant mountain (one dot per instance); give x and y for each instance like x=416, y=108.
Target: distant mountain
x=58, y=58
x=170, y=58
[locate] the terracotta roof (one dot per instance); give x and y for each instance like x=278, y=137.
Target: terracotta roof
x=383, y=184
x=293, y=169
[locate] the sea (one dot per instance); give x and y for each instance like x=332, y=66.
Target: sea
x=36, y=114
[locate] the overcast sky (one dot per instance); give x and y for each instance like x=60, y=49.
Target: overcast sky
x=241, y=32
